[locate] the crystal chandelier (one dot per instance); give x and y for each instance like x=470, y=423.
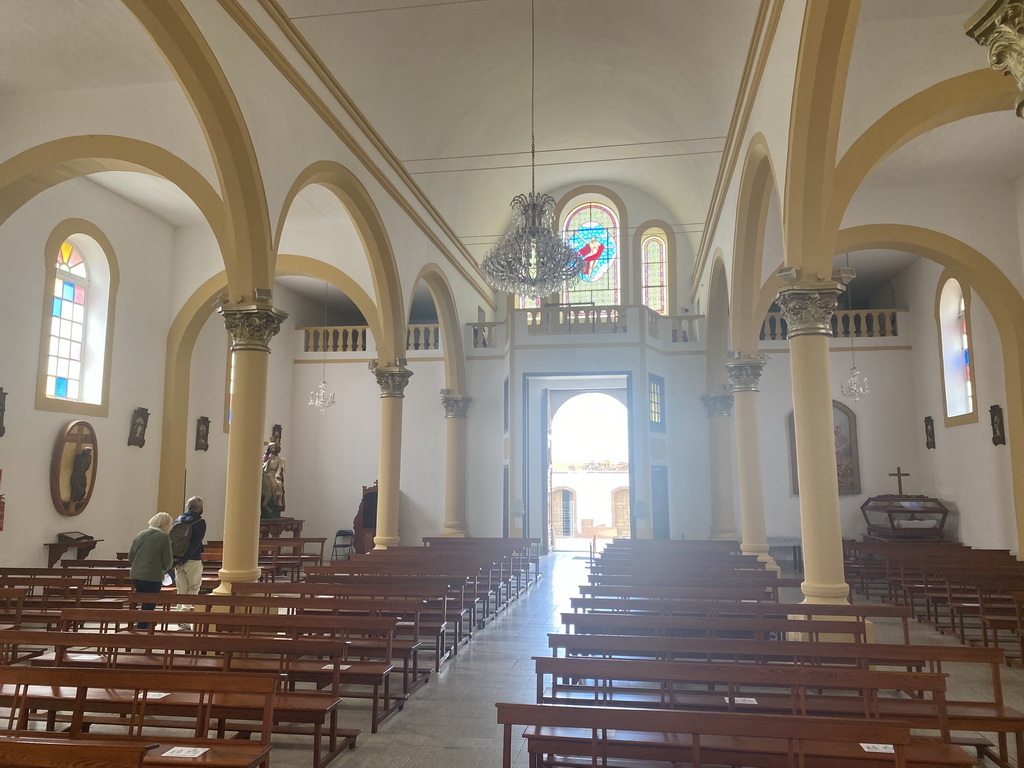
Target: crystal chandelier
x=857, y=385
x=531, y=260
x=320, y=398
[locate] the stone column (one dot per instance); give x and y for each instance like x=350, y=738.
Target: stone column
x=723, y=514
x=744, y=374
x=455, y=410
x=807, y=308
x=392, y=380
x=251, y=327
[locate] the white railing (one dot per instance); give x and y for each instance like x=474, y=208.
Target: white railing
x=578, y=319
x=423, y=336
x=336, y=338
x=685, y=328
x=858, y=323
x=485, y=335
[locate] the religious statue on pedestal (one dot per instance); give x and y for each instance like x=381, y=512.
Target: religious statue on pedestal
x=272, y=501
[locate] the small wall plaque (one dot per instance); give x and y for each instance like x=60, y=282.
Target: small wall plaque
x=137, y=433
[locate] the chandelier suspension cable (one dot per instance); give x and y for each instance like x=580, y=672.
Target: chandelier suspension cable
x=533, y=97
x=531, y=260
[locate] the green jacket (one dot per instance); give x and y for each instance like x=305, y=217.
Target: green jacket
x=150, y=555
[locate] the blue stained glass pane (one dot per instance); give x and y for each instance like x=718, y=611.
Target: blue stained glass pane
x=596, y=245
x=967, y=358
x=56, y=307
x=69, y=291
x=62, y=388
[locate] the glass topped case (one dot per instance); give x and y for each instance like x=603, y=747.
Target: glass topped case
x=895, y=516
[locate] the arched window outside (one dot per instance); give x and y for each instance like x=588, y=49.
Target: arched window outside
x=78, y=308
x=654, y=249
x=958, y=380
x=592, y=230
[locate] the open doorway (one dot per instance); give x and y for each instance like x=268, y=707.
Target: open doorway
x=588, y=490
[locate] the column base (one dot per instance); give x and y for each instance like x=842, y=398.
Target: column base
x=761, y=550
x=227, y=578
x=383, y=542
x=455, y=531
x=724, y=534
x=835, y=594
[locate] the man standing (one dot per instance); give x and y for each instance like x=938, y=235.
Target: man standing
x=187, y=544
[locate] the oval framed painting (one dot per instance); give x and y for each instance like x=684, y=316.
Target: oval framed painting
x=73, y=468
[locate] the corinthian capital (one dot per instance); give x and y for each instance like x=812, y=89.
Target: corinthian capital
x=999, y=25
x=391, y=379
x=717, y=405
x=807, y=308
x=455, y=406
x=251, y=326
x=745, y=373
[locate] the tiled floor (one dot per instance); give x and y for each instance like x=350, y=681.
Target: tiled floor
x=450, y=722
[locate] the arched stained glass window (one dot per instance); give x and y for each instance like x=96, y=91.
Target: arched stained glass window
x=592, y=230
x=953, y=313
x=67, y=325
x=655, y=252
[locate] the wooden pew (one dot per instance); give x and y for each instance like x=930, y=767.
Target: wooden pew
x=626, y=600
x=530, y=546
x=754, y=628
x=309, y=713
x=405, y=648
x=611, y=736
x=990, y=715
x=754, y=688
x=351, y=669
x=144, y=704
x=54, y=752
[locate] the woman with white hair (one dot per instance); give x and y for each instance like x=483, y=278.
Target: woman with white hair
x=150, y=557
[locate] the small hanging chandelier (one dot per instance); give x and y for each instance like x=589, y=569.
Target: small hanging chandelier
x=531, y=260
x=320, y=398
x=857, y=385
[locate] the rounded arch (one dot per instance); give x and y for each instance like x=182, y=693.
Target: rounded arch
x=578, y=195
x=717, y=313
x=969, y=94
x=451, y=330
x=293, y=264
x=247, y=219
x=181, y=342
x=102, y=259
x=956, y=374
x=671, y=263
x=369, y=225
x=1002, y=299
x=757, y=183
x=43, y=166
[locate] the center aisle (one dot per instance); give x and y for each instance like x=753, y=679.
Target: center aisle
x=451, y=721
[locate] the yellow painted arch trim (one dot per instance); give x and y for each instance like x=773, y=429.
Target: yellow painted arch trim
x=451, y=328
x=1001, y=298
x=387, y=285
x=39, y=168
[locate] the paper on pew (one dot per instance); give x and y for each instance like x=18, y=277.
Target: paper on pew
x=331, y=666
x=185, y=752
x=741, y=700
x=885, y=748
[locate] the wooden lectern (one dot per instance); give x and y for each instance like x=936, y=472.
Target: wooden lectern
x=365, y=523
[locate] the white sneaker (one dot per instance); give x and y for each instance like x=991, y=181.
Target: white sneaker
x=185, y=627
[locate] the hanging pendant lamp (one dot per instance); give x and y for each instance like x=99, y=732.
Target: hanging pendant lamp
x=532, y=259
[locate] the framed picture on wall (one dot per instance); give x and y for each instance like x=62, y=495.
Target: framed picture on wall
x=847, y=454
x=203, y=434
